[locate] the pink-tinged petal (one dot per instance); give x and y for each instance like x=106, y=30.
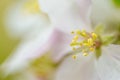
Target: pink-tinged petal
x=67, y=14
x=37, y=45
x=84, y=6
x=60, y=45
x=107, y=66
x=82, y=68
x=19, y=23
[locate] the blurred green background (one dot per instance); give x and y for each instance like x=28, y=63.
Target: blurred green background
x=7, y=44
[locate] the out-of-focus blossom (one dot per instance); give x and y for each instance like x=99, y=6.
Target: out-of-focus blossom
x=22, y=75
x=99, y=65
x=42, y=31
x=39, y=35
x=24, y=18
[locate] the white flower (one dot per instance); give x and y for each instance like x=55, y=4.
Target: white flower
x=24, y=18
x=63, y=16
x=26, y=21
x=40, y=33
x=91, y=68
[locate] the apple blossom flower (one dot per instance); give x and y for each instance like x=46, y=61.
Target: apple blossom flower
x=91, y=68
x=25, y=18
x=42, y=32
x=96, y=64
x=64, y=16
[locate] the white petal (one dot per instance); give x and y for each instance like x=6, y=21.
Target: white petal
x=80, y=69
x=107, y=66
x=19, y=23
x=116, y=52
x=29, y=49
x=66, y=14
x=60, y=44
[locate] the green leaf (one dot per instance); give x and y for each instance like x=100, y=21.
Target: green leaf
x=116, y=3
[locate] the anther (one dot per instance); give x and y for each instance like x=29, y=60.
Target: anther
x=85, y=54
x=88, y=43
x=74, y=56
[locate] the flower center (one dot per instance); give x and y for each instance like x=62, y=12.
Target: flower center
x=84, y=41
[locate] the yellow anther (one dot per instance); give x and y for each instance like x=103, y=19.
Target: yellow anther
x=72, y=32
x=85, y=54
x=91, y=49
x=76, y=37
x=83, y=51
x=78, y=32
x=90, y=41
x=83, y=33
x=81, y=43
x=74, y=56
x=73, y=48
x=73, y=41
x=94, y=35
x=87, y=44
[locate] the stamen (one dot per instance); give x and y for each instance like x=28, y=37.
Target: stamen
x=78, y=32
x=76, y=37
x=94, y=36
x=74, y=48
x=85, y=54
x=83, y=33
x=85, y=41
x=72, y=32
x=74, y=56
x=92, y=49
